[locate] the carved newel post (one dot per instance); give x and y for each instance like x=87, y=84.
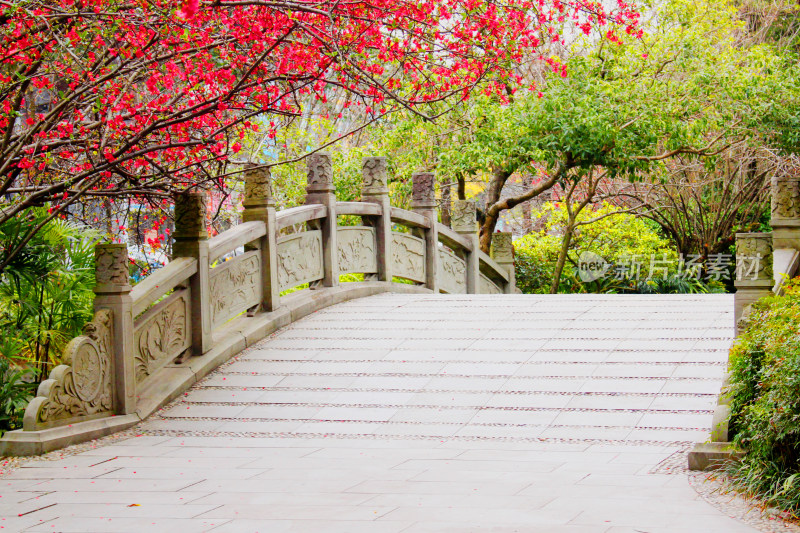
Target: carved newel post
x=320, y=190
x=423, y=202
x=375, y=189
x=190, y=239
x=502, y=251
x=754, y=278
x=113, y=292
x=465, y=223
x=785, y=219
x=259, y=206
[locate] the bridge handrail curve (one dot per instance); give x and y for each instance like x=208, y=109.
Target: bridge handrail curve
x=160, y=282
x=358, y=208
x=409, y=218
x=228, y=241
x=148, y=343
x=300, y=214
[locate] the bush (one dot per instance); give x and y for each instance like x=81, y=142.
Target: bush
x=765, y=401
x=46, y=291
x=16, y=391
x=615, y=238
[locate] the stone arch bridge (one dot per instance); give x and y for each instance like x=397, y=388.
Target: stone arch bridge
x=427, y=397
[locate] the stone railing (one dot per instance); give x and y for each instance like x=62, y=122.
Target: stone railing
x=149, y=343
x=764, y=261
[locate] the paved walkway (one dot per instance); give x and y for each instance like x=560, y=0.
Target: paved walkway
x=418, y=414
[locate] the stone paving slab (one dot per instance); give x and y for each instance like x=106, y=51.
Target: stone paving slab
x=421, y=413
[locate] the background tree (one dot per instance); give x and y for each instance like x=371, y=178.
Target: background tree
x=701, y=207
x=689, y=86
x=115, y=98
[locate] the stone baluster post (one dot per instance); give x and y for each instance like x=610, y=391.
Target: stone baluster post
x=754, y=278
x=259, y=206
x=190, y=239
x=465, y=222
x=502, y=251
x=785, y=212
x=445, y=210
x=113, y=291
x=423, y=201
x=320, y=190
x=375, y=189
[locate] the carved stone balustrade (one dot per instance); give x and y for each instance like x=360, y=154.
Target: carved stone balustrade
x=148, y=344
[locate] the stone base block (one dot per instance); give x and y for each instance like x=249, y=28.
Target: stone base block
x=23, y=443
x=712, y=455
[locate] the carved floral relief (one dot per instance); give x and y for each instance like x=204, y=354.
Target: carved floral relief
x=373, y=173
x=83, y=385
x=320, y=171
x=300, y=259
x=235, y=287
x=487, y=286
x=257, y=184
x=111, y=264
x=162, y=337
x=357, y=250
x=785, y=197
x=452, y=273
x=422, y=187
x=463, y=216
x=408, y=257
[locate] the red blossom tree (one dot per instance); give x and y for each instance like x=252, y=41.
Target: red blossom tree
x=110, y=98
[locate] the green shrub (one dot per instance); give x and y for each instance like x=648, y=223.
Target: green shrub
x=765, y=401
x=16, y=390
x=46, y=291
x=615, y=238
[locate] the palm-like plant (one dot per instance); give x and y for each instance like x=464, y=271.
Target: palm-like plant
x=16, y=390
x=46, y=292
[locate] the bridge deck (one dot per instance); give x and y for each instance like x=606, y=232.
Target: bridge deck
x=421, y=413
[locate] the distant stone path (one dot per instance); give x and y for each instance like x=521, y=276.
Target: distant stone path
x=421, y=413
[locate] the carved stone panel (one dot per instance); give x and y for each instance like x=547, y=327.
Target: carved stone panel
x=81, y=388
x=162, y=334
x=785, y=197
x=235, y=287
x=408, y=257
x=487, y=286
x=452, y=273
x=300, y=259
x=357, y=250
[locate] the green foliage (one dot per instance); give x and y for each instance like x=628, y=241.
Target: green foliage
x=296, y=139
x=16, y=390
x=765, y=401
x=689, y=85
x=46, y=291
x=616, y=237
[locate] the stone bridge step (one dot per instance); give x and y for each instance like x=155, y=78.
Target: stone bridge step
x=420, y=413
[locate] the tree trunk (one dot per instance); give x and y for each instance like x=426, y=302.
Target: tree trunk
x=562, y=256
x=527, y=183
x=462, y=187
x=499, y=178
